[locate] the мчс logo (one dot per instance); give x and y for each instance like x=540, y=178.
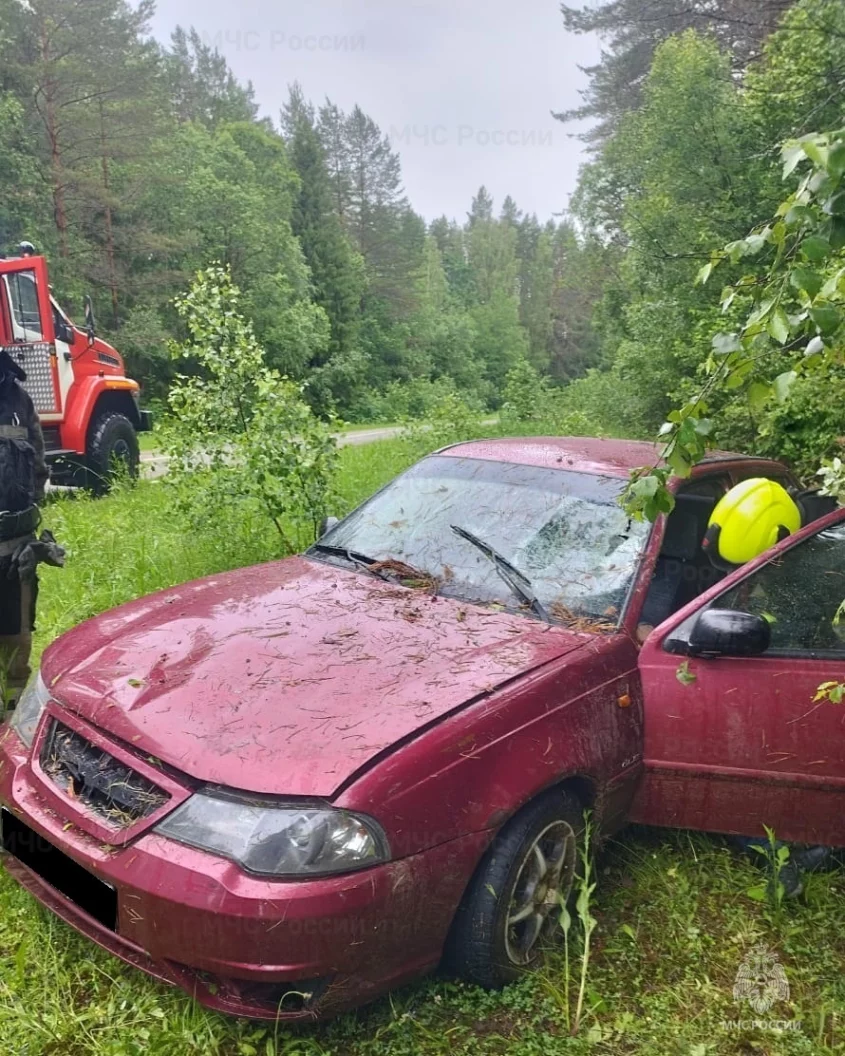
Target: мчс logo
x=761, y=980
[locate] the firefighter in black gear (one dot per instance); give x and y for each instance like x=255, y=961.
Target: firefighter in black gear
x=23, y=477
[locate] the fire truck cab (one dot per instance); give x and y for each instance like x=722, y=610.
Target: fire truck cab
x=89, y=410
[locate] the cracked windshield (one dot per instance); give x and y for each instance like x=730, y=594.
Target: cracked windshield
x=563, y=535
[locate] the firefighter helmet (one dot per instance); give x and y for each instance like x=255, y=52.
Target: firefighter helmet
x=752, y=517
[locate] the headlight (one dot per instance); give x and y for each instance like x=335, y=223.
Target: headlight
x=31, y=704
x=277, y=840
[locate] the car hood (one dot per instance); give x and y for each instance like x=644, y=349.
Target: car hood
x=288, y=677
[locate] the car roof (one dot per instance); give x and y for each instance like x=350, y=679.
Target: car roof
x=582, y=454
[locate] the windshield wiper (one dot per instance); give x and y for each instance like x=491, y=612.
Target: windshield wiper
x=352, y=556
x=519, y=583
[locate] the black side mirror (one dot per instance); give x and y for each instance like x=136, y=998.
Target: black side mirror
x=327, y=524
x=65, y=333
x=90, y=324
x=723, y=632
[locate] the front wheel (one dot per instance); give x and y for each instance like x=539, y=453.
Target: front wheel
x=112, y=448
x=511, y=910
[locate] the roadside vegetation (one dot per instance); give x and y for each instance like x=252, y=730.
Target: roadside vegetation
x=380, y=314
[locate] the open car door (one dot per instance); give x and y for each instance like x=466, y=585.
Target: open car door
x=26, y=328
x=738, y=734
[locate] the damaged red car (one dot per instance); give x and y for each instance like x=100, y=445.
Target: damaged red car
x=292, y=787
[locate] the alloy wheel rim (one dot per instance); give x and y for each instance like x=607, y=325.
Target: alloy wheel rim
x=542, y=885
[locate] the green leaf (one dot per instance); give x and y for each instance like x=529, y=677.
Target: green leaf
x=827, y=318
x=684, y=675
x=782, y=384
x=834, y=285
x=816, y=152
x=759, y=395
x=836, y=159
x=663, y=502
x=796, y=215
x=760, y=313
x=754, y=244
x=815, y=248
x=758, y=893
x=725, y=344
x=835, y=205
x=793, y=155
x=645, y=487
x=778, y=326
x=679, y=464
x=804, y=278
x=704, y=274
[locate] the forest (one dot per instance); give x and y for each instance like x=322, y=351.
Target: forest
x=133, y=164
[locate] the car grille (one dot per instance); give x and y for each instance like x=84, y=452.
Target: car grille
x=118, y=795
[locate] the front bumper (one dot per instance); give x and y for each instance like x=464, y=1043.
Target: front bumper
x=240, y=944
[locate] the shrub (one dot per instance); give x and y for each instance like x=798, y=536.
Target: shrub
x=526, y=396
x=450, y=421
x=240, y=434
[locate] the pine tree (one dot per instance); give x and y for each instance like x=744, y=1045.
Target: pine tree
x=510, y=213
x=66, y=55
x=202, y=87
x=481, y=208
x=331, y=128
x=536, y=297
x=451, y=242
x=336, y=270
x=634, y=29
x=492, y=258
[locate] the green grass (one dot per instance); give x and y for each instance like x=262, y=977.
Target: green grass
x=674, y=917
x=148, y=441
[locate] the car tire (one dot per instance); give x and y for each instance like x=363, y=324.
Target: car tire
x=112, y=440
x=486, y=945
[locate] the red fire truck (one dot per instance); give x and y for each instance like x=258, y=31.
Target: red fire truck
x=90, y=411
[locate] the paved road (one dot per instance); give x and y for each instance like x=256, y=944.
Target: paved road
x=154, y=464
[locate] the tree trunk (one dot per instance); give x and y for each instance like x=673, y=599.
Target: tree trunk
x=108, y=216
x=56, y=171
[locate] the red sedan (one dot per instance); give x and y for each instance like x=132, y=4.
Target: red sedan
x=292, y=787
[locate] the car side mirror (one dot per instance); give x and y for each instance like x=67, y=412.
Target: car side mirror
x=723, y=632
x=327, y=524
x=65, y=333
x=90, y=323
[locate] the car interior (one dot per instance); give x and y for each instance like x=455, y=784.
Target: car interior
x=684, y=569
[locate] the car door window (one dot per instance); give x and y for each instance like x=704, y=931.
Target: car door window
x=23, y=300
x=801, y=595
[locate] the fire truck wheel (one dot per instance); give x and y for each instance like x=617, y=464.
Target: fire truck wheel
x=113, y=446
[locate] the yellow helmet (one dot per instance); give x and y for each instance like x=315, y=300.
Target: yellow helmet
x=752, y=517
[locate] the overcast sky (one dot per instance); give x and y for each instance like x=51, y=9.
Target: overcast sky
x=464, y=88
